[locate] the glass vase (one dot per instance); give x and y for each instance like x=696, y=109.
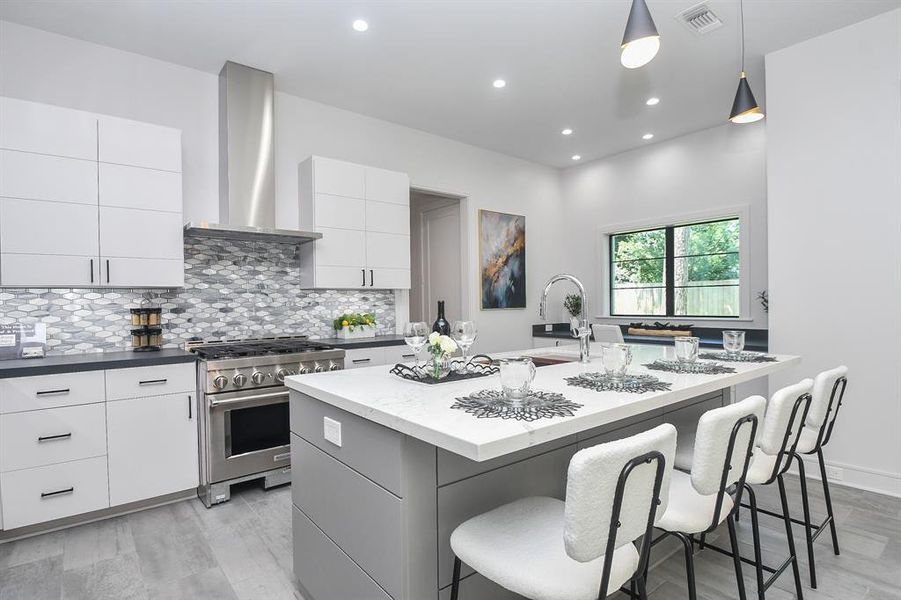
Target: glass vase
x=439, y=366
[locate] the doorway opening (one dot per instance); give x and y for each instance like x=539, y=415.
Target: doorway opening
x=437, y=255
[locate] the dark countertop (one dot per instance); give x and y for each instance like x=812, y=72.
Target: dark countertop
x=711, y=337
x=92, y=361
x=377, y=341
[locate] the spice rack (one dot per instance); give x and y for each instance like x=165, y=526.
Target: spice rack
x=148, y=333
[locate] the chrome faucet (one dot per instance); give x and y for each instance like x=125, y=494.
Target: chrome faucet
x=583, y=332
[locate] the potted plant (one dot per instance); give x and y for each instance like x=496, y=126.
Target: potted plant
x=355, y=325
x=573, y=305
x=441, y=347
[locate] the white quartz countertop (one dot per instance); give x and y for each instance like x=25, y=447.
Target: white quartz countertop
x=423, y=411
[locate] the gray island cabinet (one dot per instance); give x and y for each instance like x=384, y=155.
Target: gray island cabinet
x=384, y=470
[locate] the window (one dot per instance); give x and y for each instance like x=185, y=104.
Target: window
x=677, y=271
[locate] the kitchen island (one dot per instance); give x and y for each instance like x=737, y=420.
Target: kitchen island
x=384, y=469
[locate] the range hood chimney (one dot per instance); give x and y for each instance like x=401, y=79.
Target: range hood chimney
x=246, y=160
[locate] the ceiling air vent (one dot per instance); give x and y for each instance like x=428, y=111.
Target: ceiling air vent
x=699, y=19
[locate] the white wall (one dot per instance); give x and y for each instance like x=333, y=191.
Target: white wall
x=834, y=178
x=703, y=173
x=45, y=67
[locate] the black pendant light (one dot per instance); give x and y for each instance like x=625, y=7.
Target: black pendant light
x=744, y=108
x=640, y=40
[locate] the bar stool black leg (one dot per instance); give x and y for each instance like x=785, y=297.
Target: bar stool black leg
x=736, y=558
x=828, y=497
x=689, y=565
x=455, y=584
x=791, y=538
x=805, y=501
x=755, y=529
x=642, y=589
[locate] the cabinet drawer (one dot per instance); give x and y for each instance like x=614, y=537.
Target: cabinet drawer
x=136, y=187
x=363, y=357
x=44, y=437
x=150, y=381
x=42, y=177
x=344, y=503
x=46, y=493
x=366, y=447
x=50, y=391
x=39, y=227
x=401, y=354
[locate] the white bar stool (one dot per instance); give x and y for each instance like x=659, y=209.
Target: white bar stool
x=700, y=501
x=607, y=334
x=580, y=549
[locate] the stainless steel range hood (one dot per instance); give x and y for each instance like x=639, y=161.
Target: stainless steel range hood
x=246, y=160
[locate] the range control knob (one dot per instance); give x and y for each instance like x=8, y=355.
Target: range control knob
x=333, y=367
x=239, y=380
x=318, y=368
x=303, y=370
x=281, y=374
x=220, y=382
x=258, y=377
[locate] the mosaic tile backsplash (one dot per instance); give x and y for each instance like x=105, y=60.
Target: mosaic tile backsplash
x=233, y=288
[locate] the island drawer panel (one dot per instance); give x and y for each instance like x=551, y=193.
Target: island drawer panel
x=325, y=571
x=364, y=520
x=366, y=447
x=621, y=433
x=543, y=475
x=453, y=467
x=19, y=394
x=477, y=587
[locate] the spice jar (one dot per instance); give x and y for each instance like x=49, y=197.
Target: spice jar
x=138, y=317
x=154, y=337
x=154, y=315
x=139, y=338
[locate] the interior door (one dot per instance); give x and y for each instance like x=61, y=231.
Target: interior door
x=441, y=262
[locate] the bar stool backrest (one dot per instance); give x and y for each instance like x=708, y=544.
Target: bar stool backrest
x=610, y=492
x=828, y=392
x=784, y=421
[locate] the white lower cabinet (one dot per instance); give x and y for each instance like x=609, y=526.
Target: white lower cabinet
x=152, y=443
x=358, y=358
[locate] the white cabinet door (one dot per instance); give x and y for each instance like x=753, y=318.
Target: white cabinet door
x=341, y=248
x=338, y=178
x=132, y=233
x=389, y=279
x=42, y=177
x=142, y=272
x=339, y=212
x=384, y=217
x=152, y=446
x=341, y=278
x=387, y=186
x=38, y=227
x=136, y=187
x=46, y=129
x=125, y=142
x=387, y=250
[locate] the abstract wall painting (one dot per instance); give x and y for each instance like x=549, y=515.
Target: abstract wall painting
x=502, y=260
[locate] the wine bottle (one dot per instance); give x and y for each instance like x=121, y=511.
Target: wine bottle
x=441, y=325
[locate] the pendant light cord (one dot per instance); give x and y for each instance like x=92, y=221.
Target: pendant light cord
x=741, y=10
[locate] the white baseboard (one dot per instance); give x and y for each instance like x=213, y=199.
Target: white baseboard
x=861, y=478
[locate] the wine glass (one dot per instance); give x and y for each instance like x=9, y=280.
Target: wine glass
x=416, y=334
x=464, y=333
x=733, y=342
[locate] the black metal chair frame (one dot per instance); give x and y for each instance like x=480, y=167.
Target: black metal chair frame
x=638, y=583
x=780, y=467
x=688, y=540
x=811, y=531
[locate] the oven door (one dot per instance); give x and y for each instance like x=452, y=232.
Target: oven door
x=249, y=432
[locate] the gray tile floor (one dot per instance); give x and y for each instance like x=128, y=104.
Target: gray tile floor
x=242, y=550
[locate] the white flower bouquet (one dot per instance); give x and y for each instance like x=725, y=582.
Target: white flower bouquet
x=441, y=347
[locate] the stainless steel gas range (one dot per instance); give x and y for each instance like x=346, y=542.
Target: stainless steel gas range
x=244, y=426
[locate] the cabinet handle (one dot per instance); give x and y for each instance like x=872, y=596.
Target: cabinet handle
x=52, y=392
x=92, y=270
x=107, y=270
x=371, y=279
x=68, y=490
x=51, y=438
x=190, y=408
x=407, y=355
x=281, y=457
x=357, y=361
x=364, y=277
x=152, y=382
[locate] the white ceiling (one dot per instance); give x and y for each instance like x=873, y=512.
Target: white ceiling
x=429, y=64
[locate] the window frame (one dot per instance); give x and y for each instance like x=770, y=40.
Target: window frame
x=669, y=286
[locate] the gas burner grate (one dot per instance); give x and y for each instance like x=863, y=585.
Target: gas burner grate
x=250, y=348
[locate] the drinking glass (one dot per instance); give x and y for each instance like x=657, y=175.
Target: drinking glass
x=464, y=333
x=516, y=376
x=616, y=359
x=416, y=335
x=686, y=349
x=733, y=342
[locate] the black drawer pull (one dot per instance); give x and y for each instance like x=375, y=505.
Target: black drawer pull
x=357, y=361
x=50, y=438
x=57, y=493
x=407, y=355
x=153, y=382
x=51, y=392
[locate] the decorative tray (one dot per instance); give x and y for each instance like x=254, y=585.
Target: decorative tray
x=751, y=357
x=636, y=384
x=460, y=370
x=700, y=368
x=494, y=404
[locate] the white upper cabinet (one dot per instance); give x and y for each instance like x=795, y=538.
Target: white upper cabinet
x=132, y=233
x=132, y=187
x=38, y=227
x=46, y=129
x=125, y=142
x=363, y=214
x=43, y=177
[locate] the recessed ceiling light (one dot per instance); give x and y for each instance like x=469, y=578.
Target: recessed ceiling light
x=567, y=131
x=360, y=25
x=647, y=136
x=653, y=101
x=499, y=83
x=576, y=157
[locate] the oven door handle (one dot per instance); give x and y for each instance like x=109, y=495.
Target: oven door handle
x=246, y=399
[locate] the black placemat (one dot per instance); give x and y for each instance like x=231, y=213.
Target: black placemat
x=460, y=371
x=494, y=404
x=697, y=368
x=750, y=357
x=636, y=384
